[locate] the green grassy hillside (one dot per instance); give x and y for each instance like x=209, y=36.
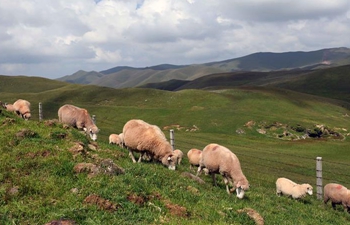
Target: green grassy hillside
x=263, y=127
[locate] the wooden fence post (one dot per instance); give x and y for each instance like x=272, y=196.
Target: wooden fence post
x=319, y=177
x=172, y=139
x=40, y=112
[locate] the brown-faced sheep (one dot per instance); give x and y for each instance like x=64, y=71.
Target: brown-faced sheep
x=115, y=139
x=338, y=194
x=142, y=137
x=290, y=188
x=220, y=160
x=79, y=118
x=179, y=155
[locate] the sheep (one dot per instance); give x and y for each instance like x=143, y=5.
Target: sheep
x=193, y=156
x=148, y=139
x=220, y=160
x=79, y=118
x=116, y=139
x=290, y=188
x=20, y=107
x=338, y=194
x=179, y=154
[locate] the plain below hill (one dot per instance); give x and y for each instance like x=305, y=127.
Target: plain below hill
x=123, y=76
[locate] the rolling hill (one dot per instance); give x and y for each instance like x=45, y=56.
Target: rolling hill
x=122, y=76
x=263, y=126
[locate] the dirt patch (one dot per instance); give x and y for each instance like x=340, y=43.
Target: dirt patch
x=61, y=222
x=101, y=203
x=25, y=133
x=44, y=154
x=174, y=209
x=259, y=220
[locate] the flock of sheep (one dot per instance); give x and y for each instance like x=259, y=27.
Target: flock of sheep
x=151, y=144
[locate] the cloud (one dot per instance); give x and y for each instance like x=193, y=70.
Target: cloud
x=53, y=38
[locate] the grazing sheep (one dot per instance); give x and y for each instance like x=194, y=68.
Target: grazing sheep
x=149, y=140
x=79, y=118
x=193, y=156
x=287, y=187
x=338, y=194
x=220, y=160
x=20, y=107
x=115, y=139
x=179, y=155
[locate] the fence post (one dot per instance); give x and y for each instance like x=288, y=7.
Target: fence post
x=172, y=139
x=319, y=177
x=94, y=119
x=40, y=112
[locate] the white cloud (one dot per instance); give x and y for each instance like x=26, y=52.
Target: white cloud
x=53, y=38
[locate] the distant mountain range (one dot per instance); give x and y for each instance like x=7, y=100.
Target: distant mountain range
x=173, y=75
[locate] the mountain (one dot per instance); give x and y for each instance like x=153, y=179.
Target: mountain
x=331, y=82
x=123, y=76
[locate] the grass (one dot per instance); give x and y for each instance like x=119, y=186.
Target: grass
x=39, y=163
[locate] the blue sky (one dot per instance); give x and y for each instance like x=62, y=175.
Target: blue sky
x=54, y=38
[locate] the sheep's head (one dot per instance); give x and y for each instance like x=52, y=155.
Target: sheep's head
x=240, y=187
x=92, y=131
x=26, y=115
x=169, y=160
x=308, y=188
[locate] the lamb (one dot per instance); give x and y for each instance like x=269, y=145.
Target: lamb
x=338, y=194
x=193, y=156
x=148, y=139
x=179, y=154
x=116, y=139
x=79, y=118
x=290, y=188
x=220, y=160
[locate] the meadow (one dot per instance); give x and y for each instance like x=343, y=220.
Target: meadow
x=38, y=182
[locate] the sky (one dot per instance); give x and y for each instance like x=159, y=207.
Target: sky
x=54, y=38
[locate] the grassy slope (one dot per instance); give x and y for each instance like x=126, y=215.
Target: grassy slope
x=45, y=180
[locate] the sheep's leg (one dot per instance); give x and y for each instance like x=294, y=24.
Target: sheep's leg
x=214, y=179
x=142, y=154
x=226, y=181
x=132, y=156
x=199, y=170
x=333, y=205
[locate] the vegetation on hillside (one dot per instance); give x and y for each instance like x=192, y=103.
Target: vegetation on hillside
x=50, y=172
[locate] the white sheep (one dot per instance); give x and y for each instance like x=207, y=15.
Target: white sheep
x=220, y=160
x=115, y=139
x=79, y=118
x=148, y=139
x=290, y=188
x=193, y=156
x=20, y=107
x=179, y=154
x=338, y=194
